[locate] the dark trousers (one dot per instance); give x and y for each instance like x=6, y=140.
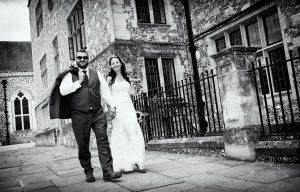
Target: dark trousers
x=82, y=124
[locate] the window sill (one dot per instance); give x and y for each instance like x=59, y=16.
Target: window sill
x=230, y=50
x=152, y=25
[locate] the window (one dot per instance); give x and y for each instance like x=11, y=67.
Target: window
x=157, y=7
x=43, y=66
x=56, y=54
x=21, y=112
x=50, y=4
x=220, y=43
x=279, y=70
x=159, y=11
x=45, y=115
x=264, y=80
x=272, y=28
x=169, y=75
x=77, y=39
x=39, y=17
x=142, y=9
x=152, y=75
x=253, y=37
x=160, y=71
x=235, y=38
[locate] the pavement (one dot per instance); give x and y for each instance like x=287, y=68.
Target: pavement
x=30, y=168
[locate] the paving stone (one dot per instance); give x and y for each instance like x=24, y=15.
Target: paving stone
x=165, y=166
x=196, y=160
x=98, y=185
x=9, y=185
x=213, y=189
x=271, y=175
x=119, y=190
x=69, y=180
x=155, y=161
x=48, y=189
x=137, y=181
x=174, y=188
x=208, y=179
x=70, y=174
x=242, y=170
x=229, y=162
x=38, y=177
x=291, y=185
x=39, y=185
x=193, y=169
x=60, y=169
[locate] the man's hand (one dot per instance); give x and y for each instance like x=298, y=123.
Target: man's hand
x=81, y=76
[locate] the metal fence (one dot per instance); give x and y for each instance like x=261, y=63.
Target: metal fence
x=171, y=111
x=277, y=91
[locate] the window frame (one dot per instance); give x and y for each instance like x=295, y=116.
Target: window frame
x=76, y=29
x=217, y=45
x=150, y=12
x=39, y=17
x=232, y=38
x=160, y=74
x=270, y=13
x=44, y=71
x=21, y=115
x=247, y=33
x=56, y=54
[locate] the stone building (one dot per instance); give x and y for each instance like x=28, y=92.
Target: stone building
x=233, y=37
x=16, y=68
x=145, y=41
x=151, y=37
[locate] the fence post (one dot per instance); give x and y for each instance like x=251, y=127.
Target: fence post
x=238, y=99
x=149, y=132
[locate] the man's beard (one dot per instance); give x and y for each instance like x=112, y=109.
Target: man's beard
x=82, y=66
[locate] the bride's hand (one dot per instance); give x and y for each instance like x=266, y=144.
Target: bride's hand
x=113, y=113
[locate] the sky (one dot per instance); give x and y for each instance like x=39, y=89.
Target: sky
x=14, y=20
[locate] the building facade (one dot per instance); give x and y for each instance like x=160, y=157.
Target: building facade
x=239, y=42
x=253, y=47
x=16, y=69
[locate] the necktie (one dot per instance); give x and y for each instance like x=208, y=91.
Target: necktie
x=86, y=79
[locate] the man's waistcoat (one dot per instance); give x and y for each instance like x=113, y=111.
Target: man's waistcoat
x=87, y=96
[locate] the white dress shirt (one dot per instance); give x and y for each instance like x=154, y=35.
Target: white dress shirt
x=67, y=86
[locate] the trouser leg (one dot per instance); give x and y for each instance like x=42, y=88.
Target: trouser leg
x=81, y=123
x=99, y=125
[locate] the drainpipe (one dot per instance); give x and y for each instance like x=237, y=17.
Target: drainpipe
x=4, y=83
x=200, y=103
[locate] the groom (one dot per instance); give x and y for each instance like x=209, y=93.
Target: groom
x=85, y=91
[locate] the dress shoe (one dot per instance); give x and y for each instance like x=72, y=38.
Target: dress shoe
x=111, y=175
x=90, y=177
x=138, y=169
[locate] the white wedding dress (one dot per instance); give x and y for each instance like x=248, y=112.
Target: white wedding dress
x=127, y=141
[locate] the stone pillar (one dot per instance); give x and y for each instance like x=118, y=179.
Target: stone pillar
x=238, y=97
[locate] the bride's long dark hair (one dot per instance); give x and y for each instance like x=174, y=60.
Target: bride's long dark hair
x=113, y=74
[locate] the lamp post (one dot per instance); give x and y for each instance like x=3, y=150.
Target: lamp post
x=192, y=48
x=4, y=83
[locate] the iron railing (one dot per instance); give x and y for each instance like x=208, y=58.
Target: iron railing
x=171, y=111
x=277, y=91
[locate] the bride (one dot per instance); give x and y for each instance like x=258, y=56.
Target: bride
x=127, y=141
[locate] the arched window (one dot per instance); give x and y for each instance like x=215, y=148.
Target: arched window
x=22, y=115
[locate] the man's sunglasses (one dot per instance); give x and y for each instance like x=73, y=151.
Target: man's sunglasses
x=85, y=57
